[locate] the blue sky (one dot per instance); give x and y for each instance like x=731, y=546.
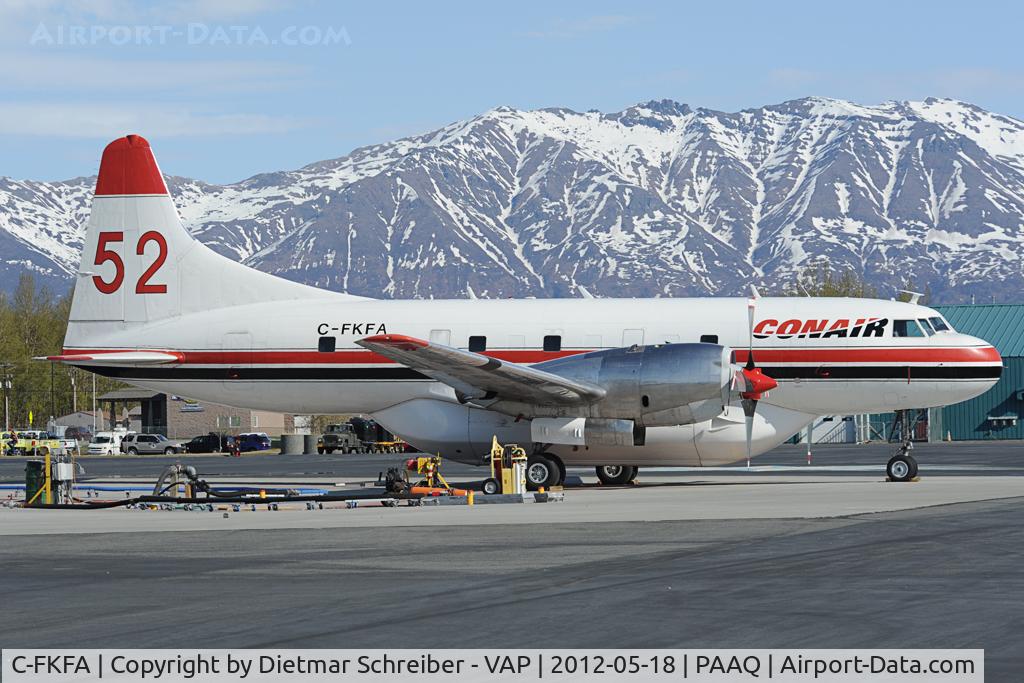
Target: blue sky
x=225, y=90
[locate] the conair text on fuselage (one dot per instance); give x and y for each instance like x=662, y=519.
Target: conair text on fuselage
x=820, y=329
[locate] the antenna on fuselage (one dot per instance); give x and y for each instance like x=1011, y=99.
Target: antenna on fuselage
x=914, y=296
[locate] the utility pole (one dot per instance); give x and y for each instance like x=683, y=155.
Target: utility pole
x=6, y=379
x=73, y=376
x=53, y=412
x=93, y=402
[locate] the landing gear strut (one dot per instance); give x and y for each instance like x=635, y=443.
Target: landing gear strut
x=902, y=466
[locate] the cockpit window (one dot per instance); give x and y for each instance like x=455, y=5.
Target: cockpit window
x=906, y=328
x=940, y=325
x=926, y=326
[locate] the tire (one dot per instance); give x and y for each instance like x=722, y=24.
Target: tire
x=170, y=451
x=616, y=475
x=328, y=451
x=133, y=451
x=542, y=470
x=901, y=468
x=913, y=466
x=490, y=486
x=320, y=451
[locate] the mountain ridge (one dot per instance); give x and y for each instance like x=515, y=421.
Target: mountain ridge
x=659, y=199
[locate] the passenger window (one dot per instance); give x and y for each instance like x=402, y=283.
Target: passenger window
x=326, y=345
x=906, y=328
x=553, y=342
x=940, y=325
x=709, y=339
x=477, y=344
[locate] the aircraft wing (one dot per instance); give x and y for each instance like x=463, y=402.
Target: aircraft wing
x=475, y=376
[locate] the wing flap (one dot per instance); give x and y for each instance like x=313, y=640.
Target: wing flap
x=474, y=375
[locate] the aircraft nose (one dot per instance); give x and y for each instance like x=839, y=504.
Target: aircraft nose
x=982, y=366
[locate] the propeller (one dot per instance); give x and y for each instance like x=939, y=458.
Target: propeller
x=755, y=383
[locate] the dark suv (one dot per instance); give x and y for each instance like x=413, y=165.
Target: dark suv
x=211, y=443
x=253, y=442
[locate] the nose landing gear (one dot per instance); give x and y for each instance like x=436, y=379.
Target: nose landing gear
x=902, y=466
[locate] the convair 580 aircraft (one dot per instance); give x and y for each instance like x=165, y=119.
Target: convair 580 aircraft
x=609, y=383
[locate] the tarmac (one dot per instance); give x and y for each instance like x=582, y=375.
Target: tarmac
x=826, y=556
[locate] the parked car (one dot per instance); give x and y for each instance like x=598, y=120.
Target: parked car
x=210, y=443
x=105, y=443
x=133, y=444
x=253, y=442
x=81, y=434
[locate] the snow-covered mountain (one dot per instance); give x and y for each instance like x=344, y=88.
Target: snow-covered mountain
x=656, y=200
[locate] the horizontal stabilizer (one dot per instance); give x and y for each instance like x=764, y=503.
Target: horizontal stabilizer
x=118, y=358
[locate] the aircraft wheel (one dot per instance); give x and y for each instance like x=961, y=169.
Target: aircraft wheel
x=901, y=468
x=541, y=470
x=913, y=466
x=616, y=475
x=490, y=486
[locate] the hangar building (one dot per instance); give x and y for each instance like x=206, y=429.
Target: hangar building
x=997, y=413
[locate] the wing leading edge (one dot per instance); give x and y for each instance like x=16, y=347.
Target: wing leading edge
x=475, y=376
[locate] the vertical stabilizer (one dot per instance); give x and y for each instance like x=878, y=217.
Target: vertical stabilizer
x=139, y=264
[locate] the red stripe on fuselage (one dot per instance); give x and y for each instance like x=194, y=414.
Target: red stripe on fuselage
x=966, y=354
x=951, y=354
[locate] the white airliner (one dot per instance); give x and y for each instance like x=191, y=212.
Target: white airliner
x=610, y=383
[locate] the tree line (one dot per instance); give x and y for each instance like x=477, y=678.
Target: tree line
x=32, y=324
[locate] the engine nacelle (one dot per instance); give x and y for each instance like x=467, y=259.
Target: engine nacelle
x=654, y=386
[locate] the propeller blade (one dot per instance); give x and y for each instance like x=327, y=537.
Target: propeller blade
x=753, y=383
x=749, y=408
x=750, y=333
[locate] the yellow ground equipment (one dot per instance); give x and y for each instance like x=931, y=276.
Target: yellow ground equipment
x=28, y=442
x=429, y=480
x=397, y=446
x=429, y=469
x=508, y=469
x=50, y=480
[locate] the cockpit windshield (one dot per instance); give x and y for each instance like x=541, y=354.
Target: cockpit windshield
x=940, y=325
x=926, y=326
x=906, y=328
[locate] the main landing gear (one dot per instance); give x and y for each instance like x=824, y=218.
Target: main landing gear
x=616, y=475
x=544, y=470
x=902, y=466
